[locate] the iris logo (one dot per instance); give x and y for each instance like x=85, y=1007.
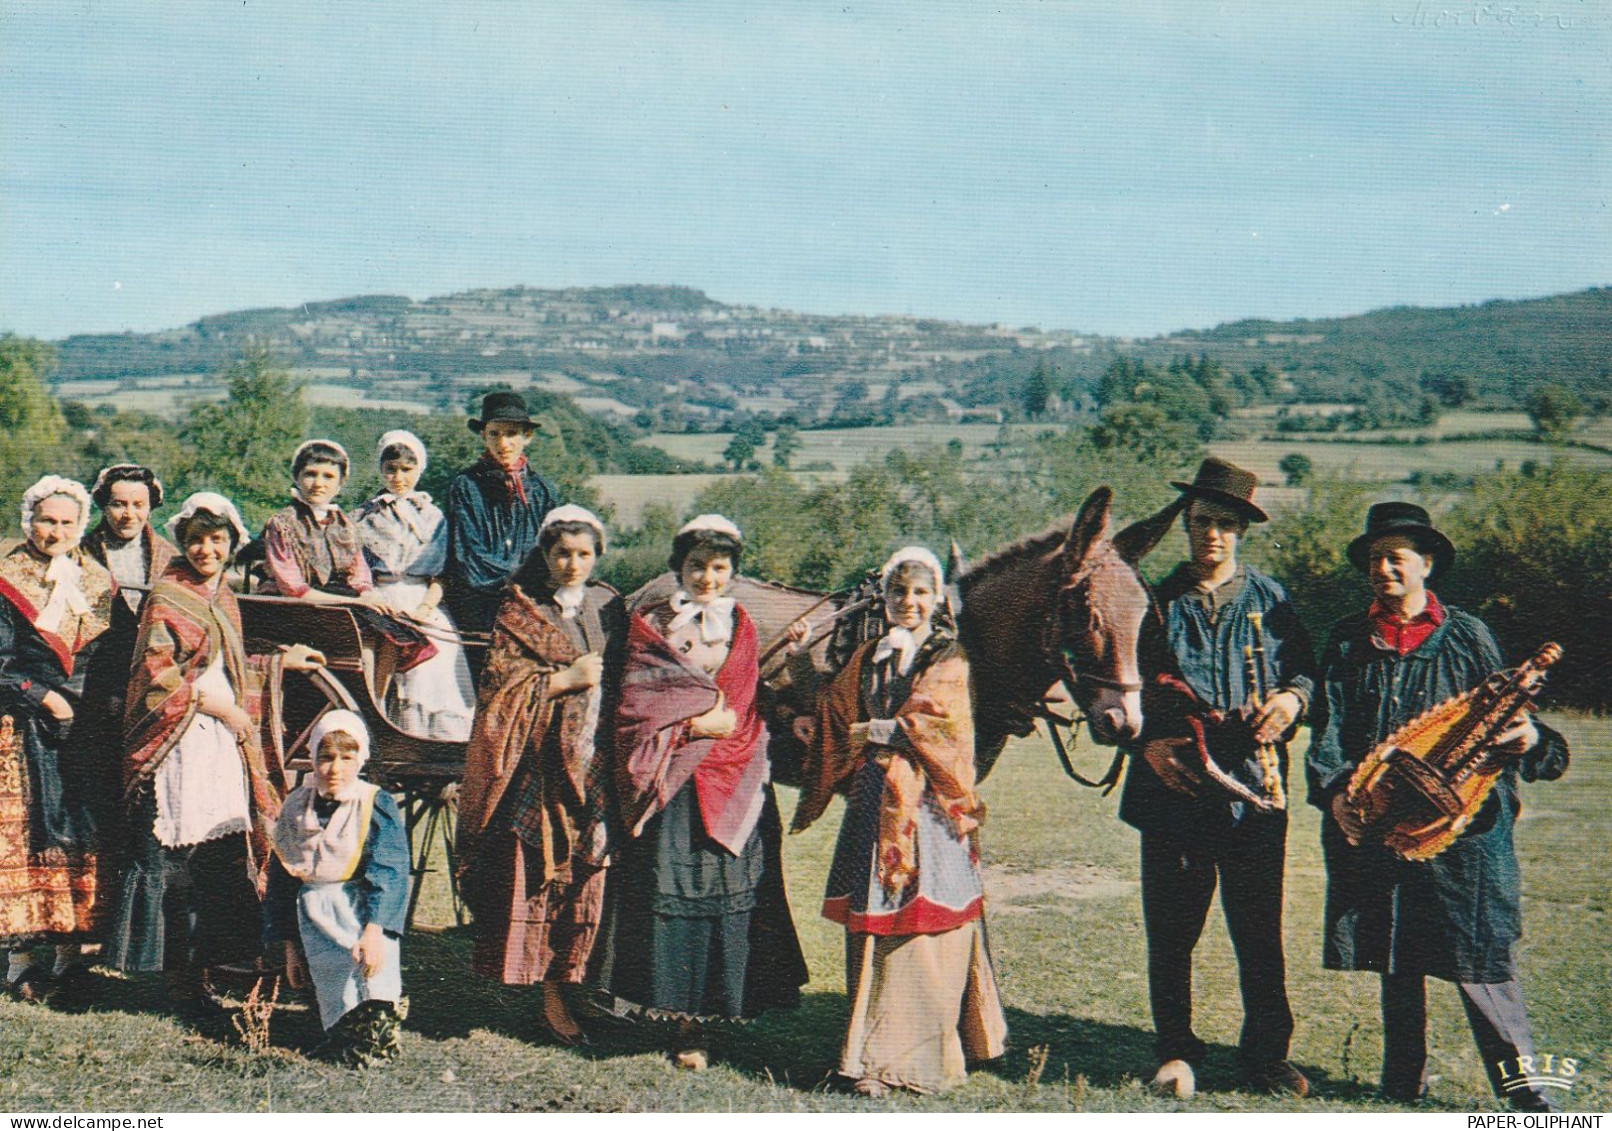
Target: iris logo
x=1547, y=1071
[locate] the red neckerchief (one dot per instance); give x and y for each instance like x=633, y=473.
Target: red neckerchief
x=1404, y=637
x=514, y=479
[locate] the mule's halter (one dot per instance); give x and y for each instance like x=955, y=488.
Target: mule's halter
x=1057, y=658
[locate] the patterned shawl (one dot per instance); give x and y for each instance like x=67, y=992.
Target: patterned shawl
x=937, y=752
x=184, y=623
x=324, y=553
x=568, y=819
x=656, y=755
x=23, y=584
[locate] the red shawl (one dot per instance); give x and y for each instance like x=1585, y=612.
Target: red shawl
x=656, y=755
x=183, y=625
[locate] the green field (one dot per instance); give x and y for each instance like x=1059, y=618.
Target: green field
x=1066, y=932
x=843, y=448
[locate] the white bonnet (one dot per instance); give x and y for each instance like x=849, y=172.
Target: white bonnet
x=215, y=504
x=913, y=554
x=401, y=438
x=570, y=512
x=712, y=522
x=55, y=485
x=339, y=720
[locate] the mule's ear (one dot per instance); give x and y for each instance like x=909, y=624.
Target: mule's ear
x=955, y=562
x=1137, y=540
x=1090, y=526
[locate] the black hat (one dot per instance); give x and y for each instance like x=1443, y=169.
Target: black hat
x=1408, y=521
x=504, y=406
x=1221, y=482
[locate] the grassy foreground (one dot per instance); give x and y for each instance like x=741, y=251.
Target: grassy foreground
x=1066, y=932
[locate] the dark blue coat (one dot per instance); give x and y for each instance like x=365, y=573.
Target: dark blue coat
x=1457, y=915
x=1209, y=653
x=490, y=532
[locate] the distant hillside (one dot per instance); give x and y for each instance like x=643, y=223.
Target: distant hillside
x=1504, y=348
x=671, y=357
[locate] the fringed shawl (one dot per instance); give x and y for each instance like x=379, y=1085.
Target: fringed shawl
x=23, y=584
x=513, y=722
x=183, y=625
x=656, y=754
x=936, y=729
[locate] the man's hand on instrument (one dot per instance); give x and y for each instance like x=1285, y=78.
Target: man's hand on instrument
x=301, y=658
x=1343, y=813
x=424, y=611
x=1518, y=738
x=581, y=673
x=799, y=632
x=718, y=722
x=1277, y=717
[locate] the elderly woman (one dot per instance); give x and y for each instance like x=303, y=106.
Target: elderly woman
x=200, y=792
x=894, y=730
x=535, y=810
x=405, y=540
x=56, y=605
x=699, y=922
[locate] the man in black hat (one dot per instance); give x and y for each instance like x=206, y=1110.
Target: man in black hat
x=1195, y=833
x=1454, y=916
x=495, y=508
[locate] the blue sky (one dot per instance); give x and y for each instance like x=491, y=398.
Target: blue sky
x=1121, y=168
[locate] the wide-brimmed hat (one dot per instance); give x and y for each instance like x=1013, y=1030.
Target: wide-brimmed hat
x=505, y=406
x=1221, y=482
x=1406, y=520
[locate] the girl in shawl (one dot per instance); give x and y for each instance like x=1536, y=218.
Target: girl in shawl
x=700, y=922
x=894, y=729
x=338, y=893
x=311, y=548
x=55, y=604
x=200, y=793
x=535, y=810
x=405, y=540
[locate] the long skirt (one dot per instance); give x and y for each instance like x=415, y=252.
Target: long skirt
x=436, y=699
x=917, y=971
x=330, y=922
x=48, y=895
x=922, y=1006
x=694, y=930
x=184, y=908
x=528, y=931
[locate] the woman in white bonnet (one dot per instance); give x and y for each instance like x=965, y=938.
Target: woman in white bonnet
x=537, y=808
x=200, y=793
x=894, y=733
x=405, y=539
x=55, y=606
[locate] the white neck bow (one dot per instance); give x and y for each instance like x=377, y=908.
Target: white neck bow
x=66, y=595
x=570, y=598
x=901, y=643
x=715, y=617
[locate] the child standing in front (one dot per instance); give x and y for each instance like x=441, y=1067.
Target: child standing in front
x=338, y=894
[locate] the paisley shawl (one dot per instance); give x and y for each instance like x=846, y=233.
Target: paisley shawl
x=23, y=584
x=183, y=625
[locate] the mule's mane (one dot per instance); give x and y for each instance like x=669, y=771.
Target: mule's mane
x=1025, y=547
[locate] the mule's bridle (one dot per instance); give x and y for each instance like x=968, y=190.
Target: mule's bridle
x=1072, y=679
